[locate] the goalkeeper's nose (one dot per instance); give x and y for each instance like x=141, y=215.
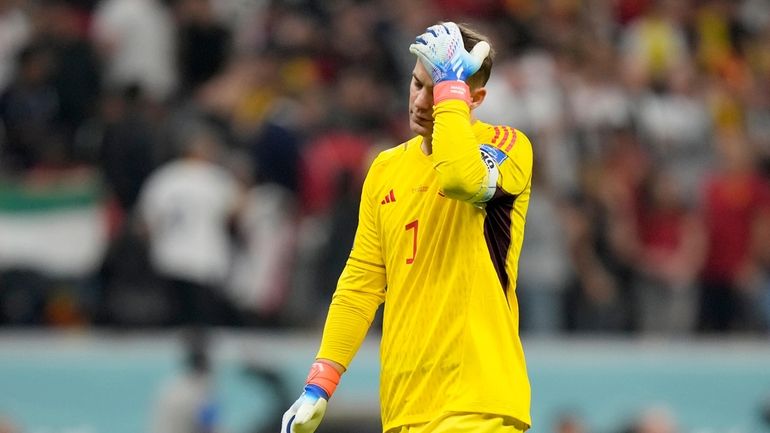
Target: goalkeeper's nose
x=423, y=104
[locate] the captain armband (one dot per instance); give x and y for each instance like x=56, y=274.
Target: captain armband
x=492, y=157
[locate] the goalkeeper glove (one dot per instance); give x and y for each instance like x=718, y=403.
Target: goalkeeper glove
x=442, y=53
x=306, y=413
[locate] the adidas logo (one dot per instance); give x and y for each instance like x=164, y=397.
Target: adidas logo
x=389, y=198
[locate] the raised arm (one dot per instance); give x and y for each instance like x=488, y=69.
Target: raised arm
x=463, y=171
x=456, y=156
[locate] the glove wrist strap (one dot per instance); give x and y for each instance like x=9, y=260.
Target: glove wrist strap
x=451, y=90
x=323, y=376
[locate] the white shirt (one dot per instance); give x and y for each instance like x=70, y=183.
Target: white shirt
x=139, y=35
x=186, y=206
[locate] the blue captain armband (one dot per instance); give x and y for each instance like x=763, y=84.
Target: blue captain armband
x=492, y=158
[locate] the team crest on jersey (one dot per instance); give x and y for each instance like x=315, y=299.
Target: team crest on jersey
x=492, y=155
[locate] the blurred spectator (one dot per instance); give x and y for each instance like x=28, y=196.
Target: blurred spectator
x=245, y=94
x=545, y=258
x=325, y=159
x=187, y=403
x=592, y=302
x=358, y=101
x=187, y=206
x=29, y=110
x=655, y=43
x=719, y=33
x=136, y=39
x=358, y=21
x=596, y=98
x=736, y=200
x=15, y=31
x=74, y=66
x=275, y=152
x=760, y=283
x=247, y=20
x=262, y=270
x=602, y=230
x=123, y=141
x=203, y=43
x=676, y=125
x=626, y=11
x=672, y=246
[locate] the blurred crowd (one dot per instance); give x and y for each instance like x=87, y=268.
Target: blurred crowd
x=168, y=162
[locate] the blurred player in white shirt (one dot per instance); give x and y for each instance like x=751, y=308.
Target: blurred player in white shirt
x=187, y=206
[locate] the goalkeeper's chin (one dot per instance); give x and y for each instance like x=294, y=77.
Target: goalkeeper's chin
x=420, y=126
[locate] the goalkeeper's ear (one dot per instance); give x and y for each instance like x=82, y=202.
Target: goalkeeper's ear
x=477, y=97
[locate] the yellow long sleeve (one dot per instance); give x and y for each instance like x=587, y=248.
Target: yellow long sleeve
x=360, y=289
x=351, y=313
x=462, y=173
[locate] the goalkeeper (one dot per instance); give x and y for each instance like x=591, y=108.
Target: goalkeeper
x=440, y=228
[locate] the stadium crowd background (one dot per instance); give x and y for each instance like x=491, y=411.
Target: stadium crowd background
x=650, y=120
x=199, y=161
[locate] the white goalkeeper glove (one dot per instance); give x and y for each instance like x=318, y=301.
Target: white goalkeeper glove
x=306, y=413
x=441, y=51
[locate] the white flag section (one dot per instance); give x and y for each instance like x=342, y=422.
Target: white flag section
x=65, y=242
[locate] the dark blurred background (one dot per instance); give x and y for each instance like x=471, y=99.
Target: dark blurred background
x=167, y=164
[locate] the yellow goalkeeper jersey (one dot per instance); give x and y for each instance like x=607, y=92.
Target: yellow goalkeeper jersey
x=443, y=258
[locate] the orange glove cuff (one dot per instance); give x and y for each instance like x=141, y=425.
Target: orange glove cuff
x=451, y=90
x=325, y=376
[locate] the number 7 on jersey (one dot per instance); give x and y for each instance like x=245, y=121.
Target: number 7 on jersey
x=410, y=226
